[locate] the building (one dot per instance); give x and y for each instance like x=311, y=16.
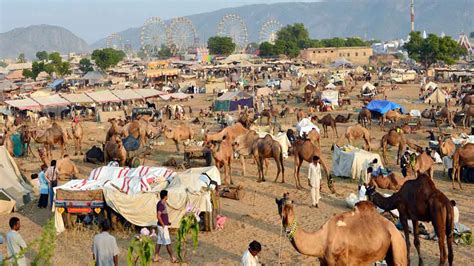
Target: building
x=357, y=55
x=464, y=42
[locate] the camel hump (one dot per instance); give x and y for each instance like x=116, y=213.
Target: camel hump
x=365, y=206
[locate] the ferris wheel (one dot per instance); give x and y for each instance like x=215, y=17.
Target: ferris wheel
x=182, y=35
x=231, y=25
x=114, y=41
x=153, y=35
x=269, y=30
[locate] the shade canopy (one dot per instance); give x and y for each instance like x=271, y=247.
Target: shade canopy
x=104, y=96
x=127, y=94
x=51, y=100
x=24, y=104
x=77, y=98
x=148, y=93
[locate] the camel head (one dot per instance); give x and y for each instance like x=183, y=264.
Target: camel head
x=370, y=191
x=285, y=209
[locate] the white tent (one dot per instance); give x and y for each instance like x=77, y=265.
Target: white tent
x=330, y=86
x=331, y=96
x=305, y=126
x=437, y=97
x=349, y=161
x=431, y=85
x=369, y=86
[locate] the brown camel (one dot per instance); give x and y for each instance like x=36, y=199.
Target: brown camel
x=342, y=119
x=467, y=100
x=230, y=132
x=446, y=147
x=77, y=134
x=422, y=163
x=7, y=142
x=392, y=181
x=356, y=132
x=264, y=148
x=314, y=137
x=300, y=114
x=243, y=146
x=393, y=116
x=365, y=118
x=305, y=150
x=53, y=135
x=115, y=128
x=463, y=157
x=339, y=240
x=25, y=136
x=140, y=129
x=327, y=121
x=245, y=119
x=115, y=151
x=178, y=134
x=395, y=137
x=222, y=153
x=468, y=112
x=419, y=200
x=445, y=115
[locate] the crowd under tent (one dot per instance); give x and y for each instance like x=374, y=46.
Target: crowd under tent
x=127, y=95
x=77, y=98
x=148, y=93
x=94, y=77
x=382, y=106
x=438, y=96
x=104, y=96
x=231, y=100
x=24, y=104
x=349, y=161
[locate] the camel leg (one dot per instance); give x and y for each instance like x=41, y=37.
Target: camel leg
x=80, y=147
x=450, y=236
x=399, y=153
x=266, y=166
x=335, y=130
x=177, y=145
x=404, y=222
x=261, y=162
x=229, y=165
x=242, y=160
x=439, y=223
x=297, y=171
x=278, y=167
x=416, y=241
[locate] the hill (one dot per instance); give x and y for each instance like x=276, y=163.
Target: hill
x=370, y=19
x=35, y=38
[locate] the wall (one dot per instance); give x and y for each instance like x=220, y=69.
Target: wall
x=357, y=55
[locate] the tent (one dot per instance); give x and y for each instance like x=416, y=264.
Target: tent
x=437, y=97
x=148, y=93
x=431, y=85
x=342, y=62
x=55, y=85
x=330, y=96
x=104, y=96
x=369, y=86
x=349, y=161
x=77, y=98
x=51, y=101
x=264, y=91
x=6, y=85
x=14, y=190
x=305, y=126
x=230, y=101
x=382, y=106
x=94, y=77
x=127, y=94
x=24, y=104
x=330, y=86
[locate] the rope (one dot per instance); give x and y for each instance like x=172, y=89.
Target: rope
x=279, y=249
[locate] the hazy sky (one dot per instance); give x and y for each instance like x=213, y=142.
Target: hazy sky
x=94, y=19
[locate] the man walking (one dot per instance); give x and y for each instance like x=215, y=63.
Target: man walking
x=250, y=257
x=51, y=175
x=163, y=237
x=314, y=181
x=15, y=243
x=104, y=248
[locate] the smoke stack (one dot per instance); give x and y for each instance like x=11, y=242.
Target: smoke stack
x=412, y=16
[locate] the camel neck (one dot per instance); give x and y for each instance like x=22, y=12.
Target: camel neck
x=309, y=243
x=386, y=203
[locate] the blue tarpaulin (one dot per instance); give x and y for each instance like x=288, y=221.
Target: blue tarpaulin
x=55, y=84
x=383, y=106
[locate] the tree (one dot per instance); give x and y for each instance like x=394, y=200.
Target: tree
x=21, y=58
x=107, y=57
x=27, y=73
x=85, y=65
x=221, y=45
x=432, y=49
x=55, y=58
x=3, y=64
x=42, y=55
x=164, y=52
x=63, y=69
x=266, y=49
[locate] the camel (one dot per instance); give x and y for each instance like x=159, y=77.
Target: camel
x=314, y=137
x=334, y=242
x=222, y=153
x=178, y=134
x=77, y=134
x=304, y=150
x=264, y=148
x=356, y=132
x=115, y=151
x=300, y=114
x=395, y=137
x=428, y=113
x=43, y=122
x=50, y=136
x=243, y=146
x=342, y=119
x=446, y=147
x=245, y=119
x=468, y=112
x=445, y=114
x=462, y=158
x=25, y=136
x=326, y=121
x=467, y=100
x=114, y=129
x=140, y=129
x=392, y=116
x=392, y=181
x=230, y=132
x=7, y=142
x=423, y=163
x=419, y=200
x=365, y=118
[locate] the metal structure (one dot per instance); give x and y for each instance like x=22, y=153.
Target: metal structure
x=181, y=35
x=152, y=36
x=268, y=32
x=114, y=41
x=412, y=16
x=233, y=26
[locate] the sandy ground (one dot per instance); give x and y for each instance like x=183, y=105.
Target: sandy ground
x=253, y=217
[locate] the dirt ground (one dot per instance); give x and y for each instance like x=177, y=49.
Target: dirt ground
x=255, y=216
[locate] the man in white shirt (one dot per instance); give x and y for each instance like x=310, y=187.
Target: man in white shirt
x=250, y=257
x=104, y=248
x=314, y=181
x=15, y=243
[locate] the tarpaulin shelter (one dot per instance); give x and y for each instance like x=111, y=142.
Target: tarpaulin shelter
x=51, y=101
x=369, y=86
x=148, y=93
x=14, y=190
x=331, y=96
x=342, y=62
x=24, y=104
x=6, y=85
x=94, y=77
x=230, y=101
x=104, y=96
x=127, y=94
x=305, y=126
x=77, y=98
x=349, y=161
x=382, y=106
x=437, y=97
x=55, y=85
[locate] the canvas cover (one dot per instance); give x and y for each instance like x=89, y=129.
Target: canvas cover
x=51, y=101
x=230, y=101
x=431, y=85
x=24, y=104
x=305, y=126
x=127, y=94
x=331, y=96
x=15, y=191
x=104, y=96
x=77, y=98
x=349, y=161
x=330, y=86
x=369, y=86
x=383, y=106
x=148, y=93
x=437, y=97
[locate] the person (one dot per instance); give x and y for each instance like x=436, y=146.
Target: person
x=448, y=164
x=15, y=243
x=43, y=188
x=105, y=250
x=314, y=181
x=51, y=175
x=455, y=212
x=404, y=162
x=250, y=256
x=163, y=237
